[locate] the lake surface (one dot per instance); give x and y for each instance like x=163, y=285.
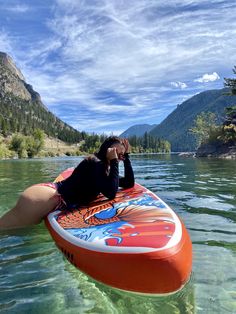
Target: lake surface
x=36, y=278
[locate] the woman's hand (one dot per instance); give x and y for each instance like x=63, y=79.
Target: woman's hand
x=111, y=153
x=126, y=145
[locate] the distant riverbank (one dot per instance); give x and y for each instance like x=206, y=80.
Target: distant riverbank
x=52, y=147
x=217, y=150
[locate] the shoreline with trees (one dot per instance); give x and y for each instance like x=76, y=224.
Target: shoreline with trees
x=18, y=145
x=216, y=140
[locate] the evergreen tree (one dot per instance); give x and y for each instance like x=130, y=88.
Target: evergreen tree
x=231, y=83
x=228, y=132
x=149, y=144
x=229, y=125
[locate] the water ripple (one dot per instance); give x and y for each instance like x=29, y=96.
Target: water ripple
x=36, y=278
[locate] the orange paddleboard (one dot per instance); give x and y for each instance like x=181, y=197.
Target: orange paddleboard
x=135, y=242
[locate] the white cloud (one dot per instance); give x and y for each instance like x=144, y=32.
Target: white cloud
x=18, y=8
x=208, y=78
x=5, y=42
x=180, y=85
x=120, y=50
x=103, y=54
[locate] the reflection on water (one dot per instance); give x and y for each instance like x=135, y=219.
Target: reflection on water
x=35, y=277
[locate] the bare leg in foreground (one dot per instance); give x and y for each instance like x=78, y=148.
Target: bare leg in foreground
x=32, y=206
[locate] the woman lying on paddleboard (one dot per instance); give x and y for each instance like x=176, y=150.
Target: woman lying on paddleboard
x=94, y=175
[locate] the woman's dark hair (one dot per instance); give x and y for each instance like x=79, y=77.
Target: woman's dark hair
x=111, y=140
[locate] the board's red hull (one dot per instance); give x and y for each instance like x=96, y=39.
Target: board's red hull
x=135, y=243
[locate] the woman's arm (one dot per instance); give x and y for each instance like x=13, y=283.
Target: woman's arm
x=110, y=184
x=128, y=180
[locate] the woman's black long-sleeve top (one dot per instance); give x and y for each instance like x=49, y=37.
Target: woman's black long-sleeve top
x=90, y=178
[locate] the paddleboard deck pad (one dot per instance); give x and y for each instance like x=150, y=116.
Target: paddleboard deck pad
x=135, y=242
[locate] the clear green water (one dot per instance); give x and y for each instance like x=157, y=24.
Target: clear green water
x=36, y=278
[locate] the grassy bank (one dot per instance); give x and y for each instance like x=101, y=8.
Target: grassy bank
x=51, y=148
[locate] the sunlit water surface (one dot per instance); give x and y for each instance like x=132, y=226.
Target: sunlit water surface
x=36, y=278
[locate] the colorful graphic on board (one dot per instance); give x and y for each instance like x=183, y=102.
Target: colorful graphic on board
x=133, y=218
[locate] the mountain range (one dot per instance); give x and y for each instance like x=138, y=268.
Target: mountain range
x=22, y=110
x=176, y=127
x=138, y=130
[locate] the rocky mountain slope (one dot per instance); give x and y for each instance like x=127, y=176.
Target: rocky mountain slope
x=176, y=127
x=22, y=110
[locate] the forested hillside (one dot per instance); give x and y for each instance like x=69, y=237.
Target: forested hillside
x=24, y=116
x=21, y=108
x=176, y=127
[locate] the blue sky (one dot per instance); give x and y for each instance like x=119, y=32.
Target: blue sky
x=103, y=66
